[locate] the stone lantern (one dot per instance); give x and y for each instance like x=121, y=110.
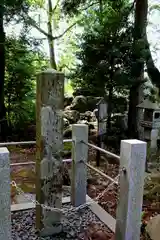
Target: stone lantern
x=151, y=118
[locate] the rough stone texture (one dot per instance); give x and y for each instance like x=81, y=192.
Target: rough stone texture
x=67, y=100
x=79, y=171
x=50, y=93
x=153, y=228
x=5, y=202
x=82, y=103
x=79, y=103
x=72, y=116
x=132, y=159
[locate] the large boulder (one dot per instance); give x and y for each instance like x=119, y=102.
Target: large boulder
x=67, y=108
x=83, y=104
x=89, y=116
x=72, y=116
x=67, y=101
x=79, y=103
x=153, y=228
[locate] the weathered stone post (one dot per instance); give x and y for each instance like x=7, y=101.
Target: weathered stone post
x=5, y=195
x=49, y=143
x=132, y=170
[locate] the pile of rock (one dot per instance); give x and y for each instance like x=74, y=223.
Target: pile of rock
x=80, y=110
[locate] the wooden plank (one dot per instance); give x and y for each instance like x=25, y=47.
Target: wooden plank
x=49, y=142
x=132, y=171
x=79, y=170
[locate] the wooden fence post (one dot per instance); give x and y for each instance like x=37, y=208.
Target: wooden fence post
x=132, y=170
x=79, y=169
x=49, y=143
x=5, y=195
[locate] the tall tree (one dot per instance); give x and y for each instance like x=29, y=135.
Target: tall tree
x=104, y=50
x=152, y=70
x=8, y=9
x=23, y=60
x=137, y=72
x=141, y=55
x=53, y=16
x=3, y=121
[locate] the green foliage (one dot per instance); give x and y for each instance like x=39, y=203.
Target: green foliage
x=67, y=146
x=105, y=49
x=72, y=6
x=68, y=88
x=22, y=64
x=13, y=9
x=155, y=7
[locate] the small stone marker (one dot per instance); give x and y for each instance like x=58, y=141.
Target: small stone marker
x=5, y=195
x=132, y=170
x=79, y=169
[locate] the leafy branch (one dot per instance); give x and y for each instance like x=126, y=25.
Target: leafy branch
x=30, y=21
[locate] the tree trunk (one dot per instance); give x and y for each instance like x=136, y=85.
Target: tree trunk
x=110, y=96
x=132, y=114
x=3, y=121
x=152, y=70
x=50, y=32
x=138, y=67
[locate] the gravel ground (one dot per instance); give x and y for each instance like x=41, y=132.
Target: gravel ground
x=75, y=225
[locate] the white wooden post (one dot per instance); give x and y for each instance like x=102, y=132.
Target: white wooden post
x=132, y=169
x=5, y=195
x=79, y=169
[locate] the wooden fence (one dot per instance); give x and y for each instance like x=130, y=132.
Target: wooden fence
x=49, y=128
x=132, y=168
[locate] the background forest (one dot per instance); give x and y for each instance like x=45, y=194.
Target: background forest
x=101, y=46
